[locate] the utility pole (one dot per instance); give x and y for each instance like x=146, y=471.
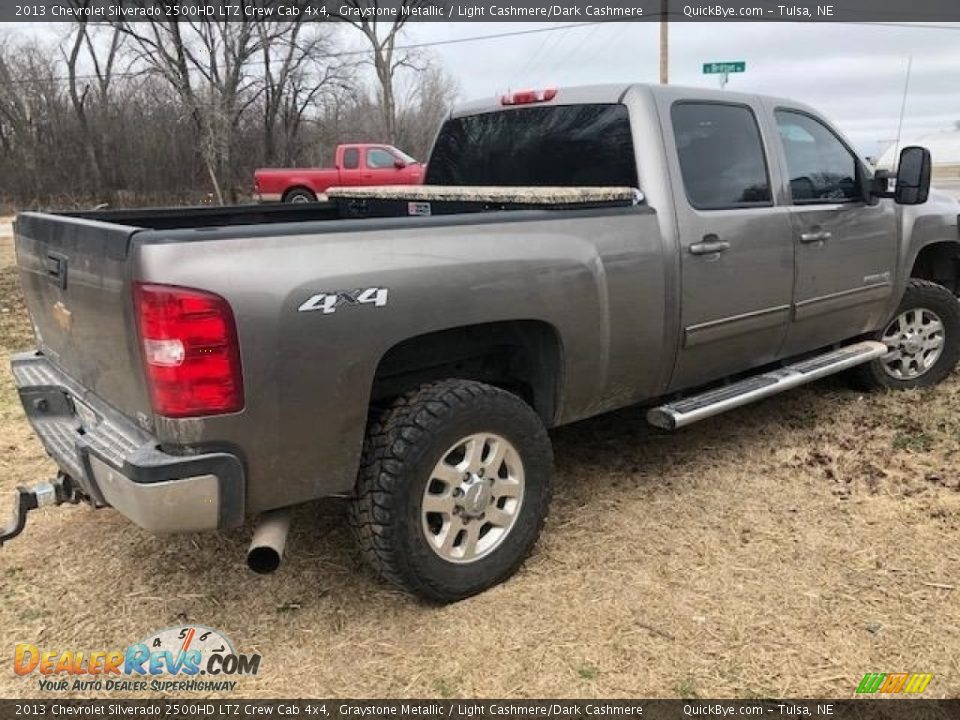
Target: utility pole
x=664, y=42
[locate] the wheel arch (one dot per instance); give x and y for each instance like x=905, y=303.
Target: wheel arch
x=939, y=262
x=522, y=356
x=294, y=188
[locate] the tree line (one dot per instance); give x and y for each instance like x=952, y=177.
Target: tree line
x=178, y=112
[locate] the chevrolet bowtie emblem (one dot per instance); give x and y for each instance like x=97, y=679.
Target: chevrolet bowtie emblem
x=63, y=316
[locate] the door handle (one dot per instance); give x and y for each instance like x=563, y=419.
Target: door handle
x=708, y=248
x=815, y=236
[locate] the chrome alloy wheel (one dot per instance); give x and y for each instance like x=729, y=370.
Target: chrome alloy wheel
x=915, y=340
x=473, y=498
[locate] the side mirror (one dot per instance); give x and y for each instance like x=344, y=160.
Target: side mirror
x=880, y=184
x=399, y=164
x=913, y=176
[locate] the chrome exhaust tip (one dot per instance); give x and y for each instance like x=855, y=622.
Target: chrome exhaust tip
x=269, y=539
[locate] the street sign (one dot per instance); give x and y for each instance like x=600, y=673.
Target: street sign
x=716, y=68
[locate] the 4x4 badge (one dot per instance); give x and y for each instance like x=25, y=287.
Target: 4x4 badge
x=329, y=302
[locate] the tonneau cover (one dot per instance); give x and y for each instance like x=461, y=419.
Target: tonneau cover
x=491, y=194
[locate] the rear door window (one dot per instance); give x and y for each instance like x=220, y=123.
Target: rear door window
x=721, y=155
x=557, y=145
x=351, y=158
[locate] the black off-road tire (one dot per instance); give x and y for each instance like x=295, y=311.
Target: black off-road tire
x=299, y=195
x=938, y=299
x=403, y=445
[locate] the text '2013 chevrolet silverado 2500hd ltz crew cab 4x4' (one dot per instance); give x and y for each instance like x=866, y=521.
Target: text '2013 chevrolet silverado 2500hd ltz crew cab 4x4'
x=572, y=252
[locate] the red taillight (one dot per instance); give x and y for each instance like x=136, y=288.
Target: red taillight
x=190, y=351
x=526, y=97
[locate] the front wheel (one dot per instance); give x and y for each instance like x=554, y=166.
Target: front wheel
x=453, y=490
x=922, y=339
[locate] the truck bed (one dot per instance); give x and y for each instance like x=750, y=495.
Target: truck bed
x=361, y=202
x=506, y=256
x=74, y=266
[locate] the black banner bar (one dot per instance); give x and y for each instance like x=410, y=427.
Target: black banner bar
x=889, y=709
x=923, y=11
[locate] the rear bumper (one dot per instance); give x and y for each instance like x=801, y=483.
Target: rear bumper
x=269, y=197
x=116, y=463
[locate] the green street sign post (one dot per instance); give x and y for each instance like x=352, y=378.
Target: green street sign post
x=715, y=68
x=723, y=69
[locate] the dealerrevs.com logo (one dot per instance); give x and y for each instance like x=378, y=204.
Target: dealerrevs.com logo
x=178, y=658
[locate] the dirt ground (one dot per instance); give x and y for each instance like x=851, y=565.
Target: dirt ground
x=781, y=550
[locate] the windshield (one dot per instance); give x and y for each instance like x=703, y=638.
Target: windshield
x=560, y=145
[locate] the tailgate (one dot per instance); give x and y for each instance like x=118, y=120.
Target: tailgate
x=77, y=292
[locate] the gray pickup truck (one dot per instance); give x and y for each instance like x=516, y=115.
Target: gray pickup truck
x=573, y=251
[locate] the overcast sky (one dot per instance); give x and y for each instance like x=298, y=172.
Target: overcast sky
x=853, y=73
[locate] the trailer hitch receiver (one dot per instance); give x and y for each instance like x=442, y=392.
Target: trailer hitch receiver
x=45, y=494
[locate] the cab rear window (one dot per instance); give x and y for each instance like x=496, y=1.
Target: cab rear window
x=558, y=145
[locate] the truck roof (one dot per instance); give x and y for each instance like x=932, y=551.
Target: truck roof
x=575, y=95
x=614, y=93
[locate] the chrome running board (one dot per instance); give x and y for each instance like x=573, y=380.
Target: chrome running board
x=713, y=402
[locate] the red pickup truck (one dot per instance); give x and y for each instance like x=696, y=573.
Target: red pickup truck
x=357, y=164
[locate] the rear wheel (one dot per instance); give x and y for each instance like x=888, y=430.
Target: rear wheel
x=922, y=339
x=299, y=195
x=453, y=490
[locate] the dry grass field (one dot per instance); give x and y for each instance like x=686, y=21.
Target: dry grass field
x=781, y=550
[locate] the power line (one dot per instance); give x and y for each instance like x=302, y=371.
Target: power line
x=495, y=36
x=533, y=58
x=918, y=26
x=479, y=38
x=571, y=55
x=604, y=48
x=346, y=53
x=553, y=43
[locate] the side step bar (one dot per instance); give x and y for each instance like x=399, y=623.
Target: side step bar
x=713, y=402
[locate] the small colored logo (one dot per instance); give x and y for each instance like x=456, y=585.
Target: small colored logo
x=892, y=683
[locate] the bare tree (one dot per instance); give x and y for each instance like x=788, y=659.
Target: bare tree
x=28, y=110
x=299, y=71
x=423, y=109
x=102, y=62
x=208, y=63
x=387, y=58
x=161, y=113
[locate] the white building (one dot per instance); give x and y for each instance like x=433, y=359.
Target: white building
x=944, y=149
